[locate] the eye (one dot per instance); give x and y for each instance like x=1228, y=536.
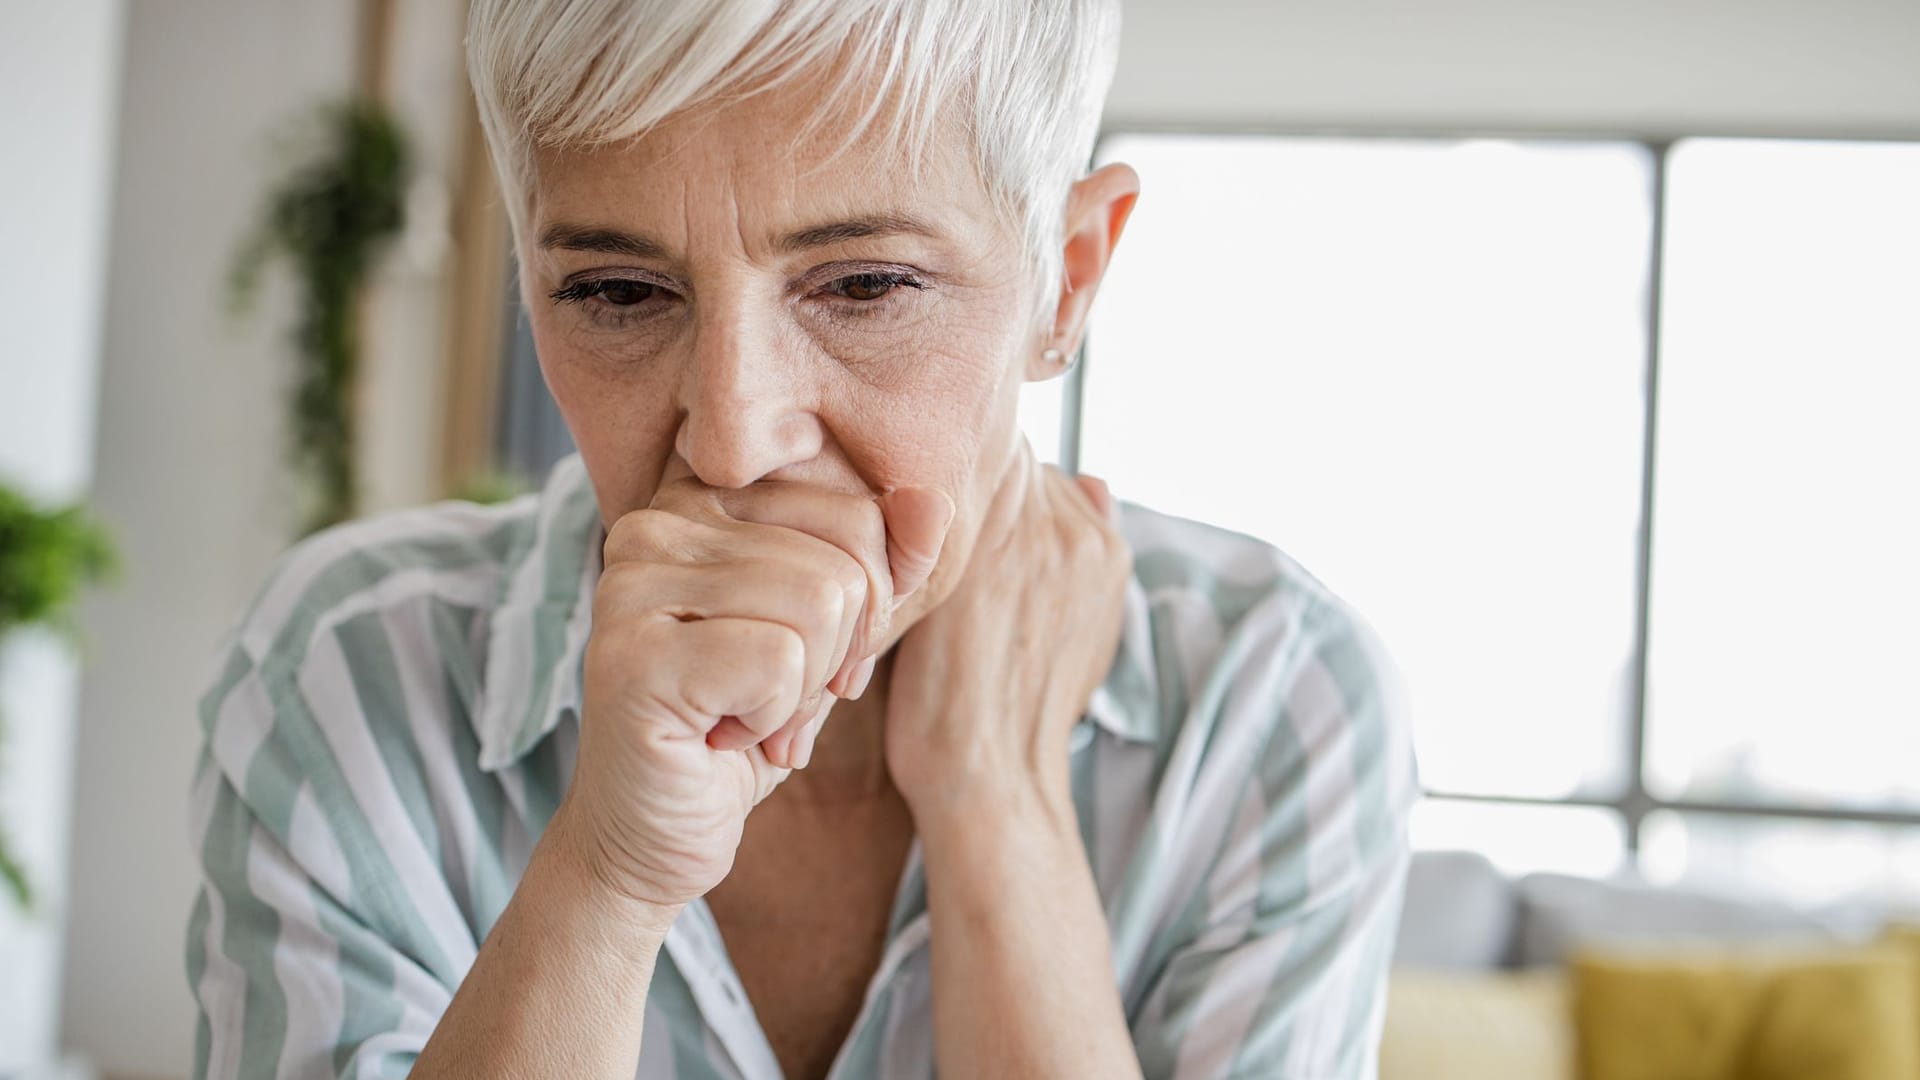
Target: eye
x=871, y=286
x=625, y=293
x=614, y=292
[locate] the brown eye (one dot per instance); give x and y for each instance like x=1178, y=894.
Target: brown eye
x=866, y=286
x=625, y=293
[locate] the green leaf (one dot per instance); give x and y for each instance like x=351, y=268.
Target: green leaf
x=336, y=210
x=14, y=875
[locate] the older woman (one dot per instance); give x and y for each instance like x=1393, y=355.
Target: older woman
x=803, y=725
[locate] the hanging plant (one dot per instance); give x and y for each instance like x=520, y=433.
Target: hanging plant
x=331, y=217
x=46, y=557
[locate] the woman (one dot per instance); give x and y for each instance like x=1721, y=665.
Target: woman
x=803, y=725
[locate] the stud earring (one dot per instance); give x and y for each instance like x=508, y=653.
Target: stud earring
x=1054, y=358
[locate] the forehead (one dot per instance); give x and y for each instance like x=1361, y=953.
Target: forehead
x=784, y=157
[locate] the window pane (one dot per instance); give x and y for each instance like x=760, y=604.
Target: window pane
x=1811, y=863
x=1039, y=417
x=1786, y=563
x=1417, y=367
x=1522, y=839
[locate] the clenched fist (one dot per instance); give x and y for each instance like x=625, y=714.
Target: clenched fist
x=726, y=623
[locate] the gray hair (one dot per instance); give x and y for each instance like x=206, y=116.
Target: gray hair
x=1027, y=76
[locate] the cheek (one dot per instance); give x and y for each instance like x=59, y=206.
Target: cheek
x=616, y=406
x=932, y=405
x=947, y=418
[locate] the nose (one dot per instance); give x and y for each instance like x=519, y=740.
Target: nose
x=746, y=409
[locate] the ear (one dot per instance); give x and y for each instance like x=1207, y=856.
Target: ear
x=1097, y=209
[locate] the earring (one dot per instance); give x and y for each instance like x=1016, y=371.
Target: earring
x=1055, y=358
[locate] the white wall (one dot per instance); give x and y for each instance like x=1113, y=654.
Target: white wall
x=1842, y=67
x=191, y=454
x=188, y=472
x=61, y=61
x=189, y=450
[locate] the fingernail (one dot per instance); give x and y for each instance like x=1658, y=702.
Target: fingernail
x=863, y=675
x=802, y=750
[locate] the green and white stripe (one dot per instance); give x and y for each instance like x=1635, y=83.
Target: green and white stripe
x=395, y=720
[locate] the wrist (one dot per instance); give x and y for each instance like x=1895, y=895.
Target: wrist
x=564, y=859
x=975, y=777
x=974, y=819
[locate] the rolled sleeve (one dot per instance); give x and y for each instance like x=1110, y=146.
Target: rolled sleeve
x=300, y=956
x=1277, y=967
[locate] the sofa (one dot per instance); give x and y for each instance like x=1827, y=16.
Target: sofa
x=1552, y=977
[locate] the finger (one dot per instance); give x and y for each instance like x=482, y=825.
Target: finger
x=850, y=524
x=789, y=588
x=655, y=535
x=1096, y=490
x=810, y=734
x=862, y=675
x=766, y=775
x=917, y=523
x=709, y=671
x=781, y=747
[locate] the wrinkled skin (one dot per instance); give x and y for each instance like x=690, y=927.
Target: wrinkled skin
x=801, y=434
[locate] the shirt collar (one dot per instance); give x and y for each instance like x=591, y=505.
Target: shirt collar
x=1127, y=703
x=538, y=635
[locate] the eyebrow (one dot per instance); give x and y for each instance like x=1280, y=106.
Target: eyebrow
x=609, y=241
x=601, y=241
x=859, y=228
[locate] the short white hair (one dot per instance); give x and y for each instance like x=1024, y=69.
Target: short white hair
x=1027, y=79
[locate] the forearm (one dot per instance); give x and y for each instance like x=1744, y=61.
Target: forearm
x=1023, y=982
x=560, y=985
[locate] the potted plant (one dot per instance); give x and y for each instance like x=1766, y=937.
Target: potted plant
x=47, y=556
x=329, y=218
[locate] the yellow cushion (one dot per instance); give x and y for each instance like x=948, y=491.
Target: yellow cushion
x=1838, y=1014
x=1493, y=1026
x=1903, y=935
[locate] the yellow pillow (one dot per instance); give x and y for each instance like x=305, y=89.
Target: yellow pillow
x=1905, y=937
x=1839, y=1014
x=1491, y=1026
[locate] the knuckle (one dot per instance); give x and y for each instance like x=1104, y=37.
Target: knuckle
x=787, y=652
x=649, y=535
x=825, y=597
x=872, y=523
x=617, y=643
x=625, y=590
x=851, y=580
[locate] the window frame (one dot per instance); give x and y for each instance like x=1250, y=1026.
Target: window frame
x=1635, y=802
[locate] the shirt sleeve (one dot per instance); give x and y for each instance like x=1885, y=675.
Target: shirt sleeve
x=1276, y=966
x=308, y=950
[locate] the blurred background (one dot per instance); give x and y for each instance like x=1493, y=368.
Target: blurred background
x=1577, y=342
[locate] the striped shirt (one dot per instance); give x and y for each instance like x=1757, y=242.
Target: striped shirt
x=395, y=720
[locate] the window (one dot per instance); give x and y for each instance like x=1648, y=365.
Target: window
x=1784, y=657
x=1425, y=369
x=1417, y=368
x=1809, y=862
x=1520, y=838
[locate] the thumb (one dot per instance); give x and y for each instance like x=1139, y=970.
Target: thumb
x=1096, y=490
x=917, y=522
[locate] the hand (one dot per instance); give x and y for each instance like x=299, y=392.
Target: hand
x=726, y=623
x=985, y=687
